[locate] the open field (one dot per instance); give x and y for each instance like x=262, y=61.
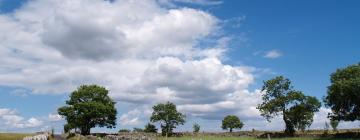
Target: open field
x=245, y=138
x=13, y=136
x=241, y=135
x=234, y=138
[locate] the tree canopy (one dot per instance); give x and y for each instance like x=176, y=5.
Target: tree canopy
x=89, y=106
x=168, y=117
x=231, y=122
x=280, y=98
x=343, y=94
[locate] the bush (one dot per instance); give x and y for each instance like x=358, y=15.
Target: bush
x=150, y=128
x=138, y=130
x=196, y=128
x=124, y=130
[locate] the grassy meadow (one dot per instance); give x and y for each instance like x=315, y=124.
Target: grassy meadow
x=19, y=136
x=244, y=138
x=13, y=136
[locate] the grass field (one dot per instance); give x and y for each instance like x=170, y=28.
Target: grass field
x=19, y=136
x=13, y=136
x=244, y=138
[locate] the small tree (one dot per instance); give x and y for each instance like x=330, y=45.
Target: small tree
x=168, y=117
x=231, y=122
x=334, y=124
x=124, y=131
x=137, y=130
x=89, y=106
x=150, y=128
x=196, y=128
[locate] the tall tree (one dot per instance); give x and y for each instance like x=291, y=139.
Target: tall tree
x=343, y=95
x=89, y=106
x=296, y=108
x=231, y=122
x=168, y=117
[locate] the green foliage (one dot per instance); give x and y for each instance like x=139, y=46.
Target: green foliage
x=196, y=128
x=124, y=130
x=138, y=130
x=150, y=128
x=343, y=95
x=89, y=106
x=334, y=124
x=168, y=117
x=231, y=122
x=301, y=114
x=280, y=98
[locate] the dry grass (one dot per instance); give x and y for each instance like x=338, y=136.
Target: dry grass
x=243, y=138
x=13, y=136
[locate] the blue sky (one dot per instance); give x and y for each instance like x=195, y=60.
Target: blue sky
x=303, y=40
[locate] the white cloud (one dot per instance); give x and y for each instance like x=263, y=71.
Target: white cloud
x=19, y=93
x=54, y=117
x=139, y=50
x=131, y=118
x=6, y=111
x=119, y=29
x=273, y=54
x=33, y=122
x=201, y=2
x=142, y=52
x=199, y=81
x=11, y=119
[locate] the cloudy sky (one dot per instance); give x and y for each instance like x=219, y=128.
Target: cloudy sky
x=207, y=56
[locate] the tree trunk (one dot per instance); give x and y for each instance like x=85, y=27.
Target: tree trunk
x=289, y=128
x=230, y=130
x=85, y=130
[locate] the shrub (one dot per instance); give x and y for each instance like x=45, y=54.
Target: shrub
x=196, y=128
x=124, y=130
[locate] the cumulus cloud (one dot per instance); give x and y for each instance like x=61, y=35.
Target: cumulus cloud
x=201, y=2
x=19, y=93
x=131, y=118
x=142, y=52
x=272, y=54
x=118, y=29
x=54, y=117
x=12, y=119
x=200, y=81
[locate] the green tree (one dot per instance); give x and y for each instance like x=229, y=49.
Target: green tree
x=280, y=98
x=89, y=106
x=302, y=112
x=168, y=117
x=334, y=124
x=231, y=122
x=343, y=94
x=138, y=129
x=124, y=130
x=196, y=128
x=150, y=128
